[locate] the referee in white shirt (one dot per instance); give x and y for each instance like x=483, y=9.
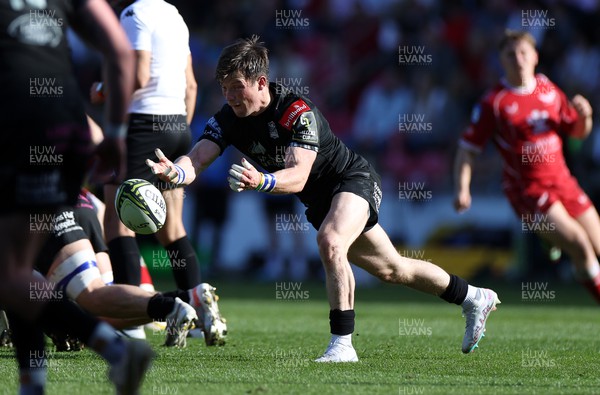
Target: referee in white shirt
x=160, y=113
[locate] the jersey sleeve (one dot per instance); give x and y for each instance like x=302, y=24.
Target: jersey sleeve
x=138, y=32
x=481, y=128
x=568, y=114
x=213, y=131
x=300, y=119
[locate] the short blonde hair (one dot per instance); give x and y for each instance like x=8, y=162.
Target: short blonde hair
x=511, y=36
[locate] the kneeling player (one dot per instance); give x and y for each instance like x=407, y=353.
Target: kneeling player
x=70, y=262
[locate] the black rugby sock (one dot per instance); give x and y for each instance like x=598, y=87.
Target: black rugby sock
x=184, y=262
x=29, y=343
x=125, y=258
x=179, y=293
x=341, y=322
x=456, y=291
x=159, y=306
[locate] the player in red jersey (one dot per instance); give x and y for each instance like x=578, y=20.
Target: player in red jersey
x=527, y=116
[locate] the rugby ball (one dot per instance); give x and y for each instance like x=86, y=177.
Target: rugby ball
x=140, y=206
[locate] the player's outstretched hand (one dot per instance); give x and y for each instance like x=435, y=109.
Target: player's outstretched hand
x=164, y=169
x=242, y=178
x=582, y=106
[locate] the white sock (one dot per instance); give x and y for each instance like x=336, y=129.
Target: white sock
x=342, y=339
x=472, y=293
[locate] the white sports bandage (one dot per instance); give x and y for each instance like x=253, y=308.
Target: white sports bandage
x=75, y=273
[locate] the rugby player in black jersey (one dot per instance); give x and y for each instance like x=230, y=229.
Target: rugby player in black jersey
x=340, y=189
x=46, y=145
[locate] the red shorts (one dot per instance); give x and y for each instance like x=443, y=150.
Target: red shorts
x=534, y=197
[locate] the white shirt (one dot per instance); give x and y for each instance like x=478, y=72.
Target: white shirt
x=157, y=27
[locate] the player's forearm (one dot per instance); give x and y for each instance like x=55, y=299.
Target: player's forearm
x=289, y=181
x=190, y=102
x=463, y=168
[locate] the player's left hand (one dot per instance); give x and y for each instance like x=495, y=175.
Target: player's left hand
x=243, y=178
x=582, y=106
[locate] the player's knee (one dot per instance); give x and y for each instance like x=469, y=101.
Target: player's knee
x=331, y=247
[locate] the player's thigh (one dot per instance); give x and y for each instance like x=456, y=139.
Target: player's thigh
x=74, y=269
x=345, y=221
x=590, y=221
x=374, y=252
x=558, y=227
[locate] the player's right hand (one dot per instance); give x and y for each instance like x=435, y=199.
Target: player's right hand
x=462, y=201
x=164, y=169
x=97, y=93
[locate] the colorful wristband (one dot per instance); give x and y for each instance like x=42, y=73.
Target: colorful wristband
x=180, y=174
x=267, y=182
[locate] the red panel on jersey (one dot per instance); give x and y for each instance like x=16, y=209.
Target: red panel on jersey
x=292, y=113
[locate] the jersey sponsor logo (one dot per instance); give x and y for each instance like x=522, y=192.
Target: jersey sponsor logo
x=292, y=113
x=512, y=109
x=46, y=31
x=548, y=97
x=537, y=120
x=305, y=131
x=213, y=129
x=257, y=149
x=273, y=133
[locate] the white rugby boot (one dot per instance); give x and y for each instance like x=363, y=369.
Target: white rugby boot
x=212, y=323
x=339, y=350
x=476, y=311
x=179, y=322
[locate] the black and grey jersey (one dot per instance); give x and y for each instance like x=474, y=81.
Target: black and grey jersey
x=35, y=65
x=290, y=120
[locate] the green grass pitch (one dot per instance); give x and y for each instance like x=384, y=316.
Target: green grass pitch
x=407, y=342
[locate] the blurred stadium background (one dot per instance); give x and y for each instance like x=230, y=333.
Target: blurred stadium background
x=405, y=113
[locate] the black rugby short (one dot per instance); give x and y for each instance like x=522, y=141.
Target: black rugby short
x=147, y=132
x=364, y=182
